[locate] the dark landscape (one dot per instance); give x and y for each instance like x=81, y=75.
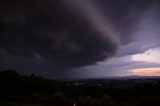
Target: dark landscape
x=79, y=52
x=20, y=90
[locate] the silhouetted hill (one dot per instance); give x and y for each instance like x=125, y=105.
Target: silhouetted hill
x=16, y=88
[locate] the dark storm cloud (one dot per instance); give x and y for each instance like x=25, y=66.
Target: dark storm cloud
x=46, y=36
x=56, y=31
x=125, y=15
x=145, y=42
x=146, y=36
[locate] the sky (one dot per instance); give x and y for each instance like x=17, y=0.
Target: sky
x=69, y=39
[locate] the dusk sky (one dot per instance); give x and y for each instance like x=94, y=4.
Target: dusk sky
x=68, y=39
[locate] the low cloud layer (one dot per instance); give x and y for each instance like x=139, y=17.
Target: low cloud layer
x=139, y=53
x=78, y=39
x=68, y=33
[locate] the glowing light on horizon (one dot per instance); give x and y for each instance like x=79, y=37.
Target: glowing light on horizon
x=146, y=71
x=150, y=56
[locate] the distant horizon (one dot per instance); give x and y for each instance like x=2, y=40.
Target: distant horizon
x=69, y=39
x=81, y=79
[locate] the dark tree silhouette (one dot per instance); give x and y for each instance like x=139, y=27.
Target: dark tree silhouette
x=86, y=101
x=106, y=101
x=148, y=101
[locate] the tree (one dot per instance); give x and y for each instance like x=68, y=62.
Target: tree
x=86, y=101
x=148, y=101
x=58, y=99
x=106, y=101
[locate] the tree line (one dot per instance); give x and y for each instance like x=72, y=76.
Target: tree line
x=21, y=90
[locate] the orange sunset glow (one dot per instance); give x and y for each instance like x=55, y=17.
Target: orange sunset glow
x=146, y=71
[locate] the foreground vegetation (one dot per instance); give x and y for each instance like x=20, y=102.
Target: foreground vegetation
x=19, y=90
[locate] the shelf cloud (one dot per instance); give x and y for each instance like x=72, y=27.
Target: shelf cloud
x=69, y=33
